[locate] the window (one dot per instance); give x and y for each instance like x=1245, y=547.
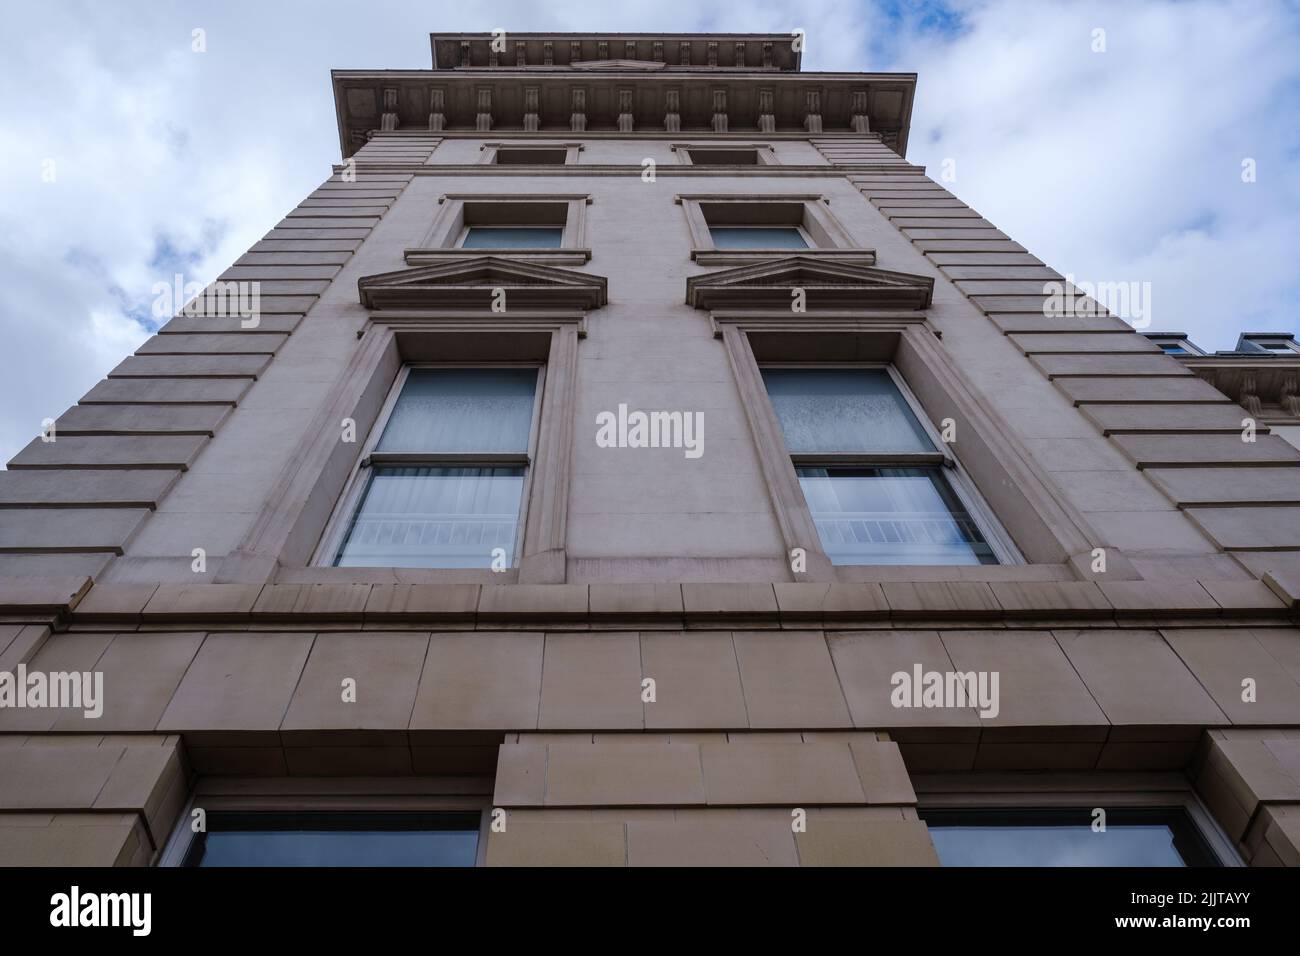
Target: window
x=334, y=839
x=1158, y=837
x=723, y=157
x=758, y=237
x=513, y=237
x=547, y=229
x=441, y=483
x=525, y=156
x=729, y=154
x=530, y=154
x=741, y=230
x=1266, y=345
x=874, y=478
x=1173, y=343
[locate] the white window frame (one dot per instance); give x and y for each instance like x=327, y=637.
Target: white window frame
x=336, y=529
x=1004, y=550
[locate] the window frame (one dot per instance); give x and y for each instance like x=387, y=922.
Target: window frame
x=453, y=219
x=1110, y=790
x=321, y=795
x=334, y=535
x=488, y=153
x=1177, y=339
x=809, y=241
x=509, y=250
x=1004, y=550
x=764, y=154
x=826, y=236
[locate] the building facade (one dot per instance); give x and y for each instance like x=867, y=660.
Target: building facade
x=628, y=457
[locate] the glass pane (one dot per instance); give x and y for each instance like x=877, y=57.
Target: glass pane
x=1163, y=838
x=757, y=237
x=428, y=517
x=462, y=411
x=891, y=516
x=336, y=839
x=843, y=410
x=513, y=237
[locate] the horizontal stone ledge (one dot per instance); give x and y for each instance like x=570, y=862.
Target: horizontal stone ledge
x=37, y=595
x=668, y=607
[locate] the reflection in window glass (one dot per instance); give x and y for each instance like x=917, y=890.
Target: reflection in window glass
x=457, y=411
x=434, y=517
x=843, y=411
x=891, y=515
x=336, y=839
x=513, y=237
x=757, y=237
x=1158, y=838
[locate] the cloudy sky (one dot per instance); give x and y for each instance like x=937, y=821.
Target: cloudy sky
x=128, y=157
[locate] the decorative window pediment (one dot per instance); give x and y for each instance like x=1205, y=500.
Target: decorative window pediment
x=473, y=284
x=617, y=65
x=827, y=285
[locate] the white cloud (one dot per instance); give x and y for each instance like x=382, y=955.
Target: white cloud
x=1126, y=165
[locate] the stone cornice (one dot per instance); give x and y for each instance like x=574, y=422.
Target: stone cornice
x=999, y=602
x=1267, y=386
x=675, y=51
x=626, y=101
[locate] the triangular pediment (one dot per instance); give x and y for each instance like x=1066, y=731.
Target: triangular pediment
x=621, y=64
x=473, y=284
x=826, y=284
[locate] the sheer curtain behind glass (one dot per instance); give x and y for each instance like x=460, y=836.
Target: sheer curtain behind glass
x=443, y=515
x=870, y=514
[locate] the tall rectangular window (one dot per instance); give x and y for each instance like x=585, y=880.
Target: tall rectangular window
x=874, y=479
x=442, y=486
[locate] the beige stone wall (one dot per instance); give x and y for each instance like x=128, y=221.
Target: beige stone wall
x=87, y=800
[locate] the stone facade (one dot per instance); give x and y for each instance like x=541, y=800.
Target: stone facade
x=171, y=535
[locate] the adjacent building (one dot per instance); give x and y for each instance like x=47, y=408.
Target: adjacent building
x=627, y=457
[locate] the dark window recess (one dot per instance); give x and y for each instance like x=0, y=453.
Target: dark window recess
x=724, y=157
x=336, y=839
x=515, y=156
x=1065, y=837
x=514, y=237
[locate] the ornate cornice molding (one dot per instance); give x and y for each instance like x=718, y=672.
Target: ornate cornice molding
x=1267, y=386
x=676, y=51
x=623, y=100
